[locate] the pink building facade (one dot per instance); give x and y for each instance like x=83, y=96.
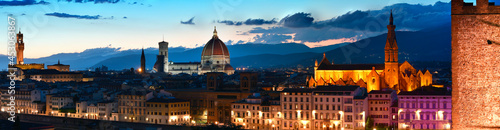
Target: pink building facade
x=422, y=109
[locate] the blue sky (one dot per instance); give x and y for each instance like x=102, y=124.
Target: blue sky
x=57, y=27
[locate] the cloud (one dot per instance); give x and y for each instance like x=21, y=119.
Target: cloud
x=231, y=42
x=298, y=20
x=406, y=17
x=65, y=15
x=228, y=22
x=190, y=21
x=248, y=22
x=21, y=3
x=352, y=26
x=272, y=38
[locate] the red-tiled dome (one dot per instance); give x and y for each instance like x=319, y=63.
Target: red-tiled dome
x=215, y=47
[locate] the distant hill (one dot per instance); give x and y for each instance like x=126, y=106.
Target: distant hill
x=130, y=58
x=194, y=55
x=433, y=44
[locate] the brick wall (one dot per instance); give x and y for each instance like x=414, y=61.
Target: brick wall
x=475, y=65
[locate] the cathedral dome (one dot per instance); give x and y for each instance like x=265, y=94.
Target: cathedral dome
x=215, y=47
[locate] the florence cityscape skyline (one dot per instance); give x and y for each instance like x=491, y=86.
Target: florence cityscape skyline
x=273, y=65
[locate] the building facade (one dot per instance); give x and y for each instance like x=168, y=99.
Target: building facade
x=132, y=106
x=167, y=111
x=324, y=107
x=425, y=110
x=380, y=108
x=50, y=75
x=475, y=44
x=257, y=112
x=59, y=67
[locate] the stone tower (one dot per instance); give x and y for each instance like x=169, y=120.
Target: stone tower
x=143, y=62
x=163, y=48
x=20, y=48
x=391, y=72
x=475, y=42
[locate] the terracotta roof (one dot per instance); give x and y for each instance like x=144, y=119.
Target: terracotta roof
x=215, y=47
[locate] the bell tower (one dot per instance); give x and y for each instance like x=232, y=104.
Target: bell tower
x=143, y=62
x=20, y=48
x=391, y=57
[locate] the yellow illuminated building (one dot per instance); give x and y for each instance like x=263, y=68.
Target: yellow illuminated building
x=391, y=74
x=167, y=111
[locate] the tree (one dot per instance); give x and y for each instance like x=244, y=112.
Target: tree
x=369, y=123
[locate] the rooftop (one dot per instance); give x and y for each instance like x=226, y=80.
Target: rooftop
x=381, y=92
x=164, y=100
x=427, y=90
x=322, y=88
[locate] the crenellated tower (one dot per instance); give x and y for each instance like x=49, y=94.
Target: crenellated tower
x=20, y=49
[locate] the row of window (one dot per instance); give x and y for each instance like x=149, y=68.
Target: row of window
x=166, y=105
x=423, y=97
x=166, y=113
x=316, y=107
x=54, y=77
x=423, y=116
x=290, y=99
x=379, y=102
x=379, y=95
x=427, y=105
x=379, y=109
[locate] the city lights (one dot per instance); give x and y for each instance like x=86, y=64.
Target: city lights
x=221, y=68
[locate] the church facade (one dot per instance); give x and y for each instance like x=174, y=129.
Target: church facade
x=391, y=74
x=214, y=58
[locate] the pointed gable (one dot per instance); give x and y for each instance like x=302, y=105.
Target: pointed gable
x=340, y=82
x=324, y=64
x=321, y=82
x=361, y=83
x=350, y=82
x=311, y=82
x=331, y=81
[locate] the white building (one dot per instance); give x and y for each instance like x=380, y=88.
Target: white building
x=257, y=112
x=214, y=58
x=325, y=107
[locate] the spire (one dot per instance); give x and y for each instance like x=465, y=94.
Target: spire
x=391, y=45
x=143, y=62
x=215, y=31
x=58, y=62
x=391, y=19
